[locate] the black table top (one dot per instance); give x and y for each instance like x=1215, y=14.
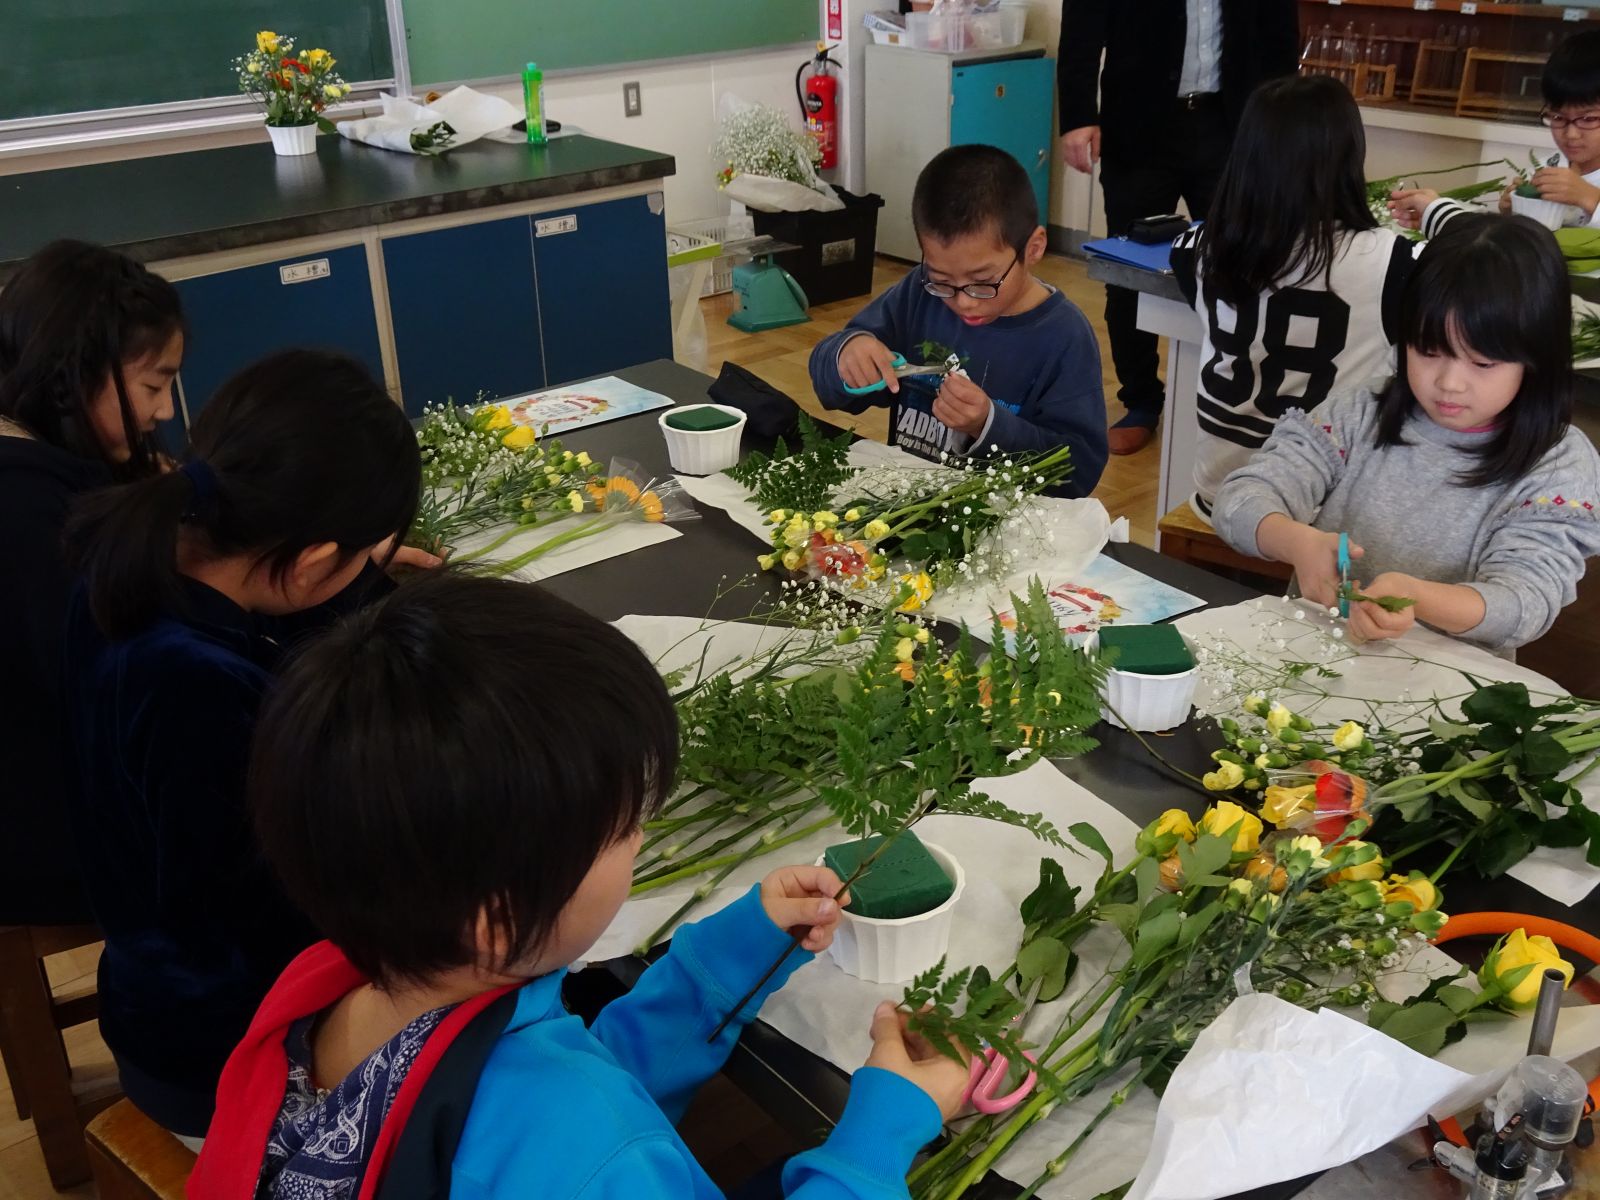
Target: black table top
x=683, y=576
x=177, y=205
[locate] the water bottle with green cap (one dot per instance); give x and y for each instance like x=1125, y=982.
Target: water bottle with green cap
x=533, y=103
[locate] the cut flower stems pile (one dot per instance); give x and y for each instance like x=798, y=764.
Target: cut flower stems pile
x=869, y=744
x=845, y=524
x=1207, y=911
x=482, y=473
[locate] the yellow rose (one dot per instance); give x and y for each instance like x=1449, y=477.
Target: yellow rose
x=921, y=591
x=1348, y=736
x=1170, y=878
x=319, y=58
x=1166, y=831
x=267, y=42
x=520, y=438
x=1415, y=889
x=1361, y=867
x=1226, y=777
x=1517, y=965
x=1284, y=806
x=499, y=418
x=1279, y=718
x=875, y=529
x=1227, y=819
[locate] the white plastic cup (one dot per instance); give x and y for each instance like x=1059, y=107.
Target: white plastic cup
x=1148, y=703
x=703, y=452
x=895, y=949
x=1548, y=213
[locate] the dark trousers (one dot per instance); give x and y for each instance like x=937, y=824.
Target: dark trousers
x=1184, y=160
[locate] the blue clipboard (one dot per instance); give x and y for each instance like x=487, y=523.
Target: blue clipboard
x=1155, y=258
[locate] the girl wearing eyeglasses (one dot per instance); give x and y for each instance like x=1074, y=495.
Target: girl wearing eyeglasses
x=1571, y=86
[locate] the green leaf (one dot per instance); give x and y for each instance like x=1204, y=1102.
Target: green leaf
x=1197, y=923
x=1495, y=856
x=1090, y=837
x=1208, y=855
x=1154, y=937
x=1457, y=998
x=1124, y=917
x=1147, y=875
x=1471, y=797
x=1450, y=730
x=1541, y=754
x=1503, y=704
x=1052, y=900
x=1039, y=957
x=1424, y=1027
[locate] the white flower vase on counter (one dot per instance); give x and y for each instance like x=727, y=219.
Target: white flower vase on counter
x=289, y=140
x=894, y=950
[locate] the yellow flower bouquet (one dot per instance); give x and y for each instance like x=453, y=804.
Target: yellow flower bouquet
x=293, y=87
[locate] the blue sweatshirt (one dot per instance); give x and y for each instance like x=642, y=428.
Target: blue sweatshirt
x=1041, y=368
x=565, y=1112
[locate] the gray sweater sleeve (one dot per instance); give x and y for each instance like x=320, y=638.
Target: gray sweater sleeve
x=1533, y=559
x=1293, y=473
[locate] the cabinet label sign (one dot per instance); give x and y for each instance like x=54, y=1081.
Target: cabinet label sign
x=305, y=272
x=554, y=225
x=1572, y=14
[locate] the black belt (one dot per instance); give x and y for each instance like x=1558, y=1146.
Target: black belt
x=1196, y=100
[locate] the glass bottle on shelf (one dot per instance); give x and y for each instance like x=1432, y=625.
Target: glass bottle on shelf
x=1376, y=56
x=1324, y=48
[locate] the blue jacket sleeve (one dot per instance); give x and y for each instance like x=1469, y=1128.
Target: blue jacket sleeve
x=887, y=319
x=1069, y=409
x=658, y=1032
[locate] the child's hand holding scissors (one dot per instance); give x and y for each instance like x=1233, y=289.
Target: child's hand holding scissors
x=797, y=898
x=865, y=360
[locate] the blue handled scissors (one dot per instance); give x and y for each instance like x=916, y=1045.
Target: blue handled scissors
x=903, y=370
x=1344, y=575
x=990, y=1070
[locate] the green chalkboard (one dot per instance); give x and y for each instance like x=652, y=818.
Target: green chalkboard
x=452, y=40
x=67, y=56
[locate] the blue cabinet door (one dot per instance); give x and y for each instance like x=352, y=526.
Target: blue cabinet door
x=1008, y=104
x=321, y=300
x=466, y=316
x=601, y=271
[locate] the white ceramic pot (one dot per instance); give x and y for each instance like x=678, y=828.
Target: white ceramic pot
x=1547, y=212
x=705, y=452
x=293, y=139
x=893, y=950
x=1148, y=703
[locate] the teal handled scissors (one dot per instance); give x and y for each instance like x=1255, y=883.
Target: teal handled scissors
x=990, y=1069
x=905, y=370
x=1344, y=575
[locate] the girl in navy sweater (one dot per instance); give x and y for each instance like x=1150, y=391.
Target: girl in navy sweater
x=89, y=344
x=301, y=472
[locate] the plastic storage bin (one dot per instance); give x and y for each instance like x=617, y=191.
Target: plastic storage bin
x=837, y=248
x=718, y=229
x=957, y=31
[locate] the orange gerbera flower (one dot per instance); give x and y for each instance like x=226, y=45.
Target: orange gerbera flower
x=651, y=504
x=597, y=491
x=623, y=486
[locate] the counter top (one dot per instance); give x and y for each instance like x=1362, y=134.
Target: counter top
x=178, y=205
x=1122, y=275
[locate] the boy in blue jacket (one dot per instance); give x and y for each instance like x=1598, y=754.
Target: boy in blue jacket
x=463, y=827
x=1031, y=366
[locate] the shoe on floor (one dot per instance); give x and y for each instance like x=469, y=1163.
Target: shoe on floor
x=1129, y=439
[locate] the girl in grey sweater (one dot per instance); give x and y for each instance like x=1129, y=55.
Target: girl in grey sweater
x=1460, y=481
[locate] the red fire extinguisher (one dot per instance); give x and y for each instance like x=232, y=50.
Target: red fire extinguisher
x=818, y=94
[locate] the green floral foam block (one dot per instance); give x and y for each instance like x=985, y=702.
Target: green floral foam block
x=1147, y=649
x=905, y=881
x=701, y=419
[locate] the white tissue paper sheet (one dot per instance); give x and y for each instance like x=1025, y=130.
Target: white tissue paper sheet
x=470, y=113
x=1270, y=1092
x=1391, y=678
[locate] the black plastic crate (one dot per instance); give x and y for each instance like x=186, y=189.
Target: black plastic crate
x=834, y=261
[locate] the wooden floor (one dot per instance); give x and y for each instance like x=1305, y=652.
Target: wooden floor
x=779, y=356
x=730, y=1136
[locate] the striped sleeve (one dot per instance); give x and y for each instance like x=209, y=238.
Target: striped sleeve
x=1403, y=256
x=1186, y=262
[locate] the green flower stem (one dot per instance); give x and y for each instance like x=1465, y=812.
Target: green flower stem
x=793, y=811
x=699, y=868
x=1414, y=847
x=933, y=1167
x=1118, y=1098
x=587, y=529
x=521, y=525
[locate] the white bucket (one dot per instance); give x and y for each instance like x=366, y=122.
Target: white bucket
x=895, y=949
x=1148, y=703
x=703, y=452
x=1547, y=212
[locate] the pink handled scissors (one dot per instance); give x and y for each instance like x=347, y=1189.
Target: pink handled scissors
x=990, y=1069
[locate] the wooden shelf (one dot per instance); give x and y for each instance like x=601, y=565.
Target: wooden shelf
x=1485, y=8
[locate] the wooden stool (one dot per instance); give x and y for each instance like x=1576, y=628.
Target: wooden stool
x=134, y=1158
x=1187, y=538
x=31, y=1021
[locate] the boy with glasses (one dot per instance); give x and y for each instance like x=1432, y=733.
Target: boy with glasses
x=1571, y=86
x=1029, y=376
